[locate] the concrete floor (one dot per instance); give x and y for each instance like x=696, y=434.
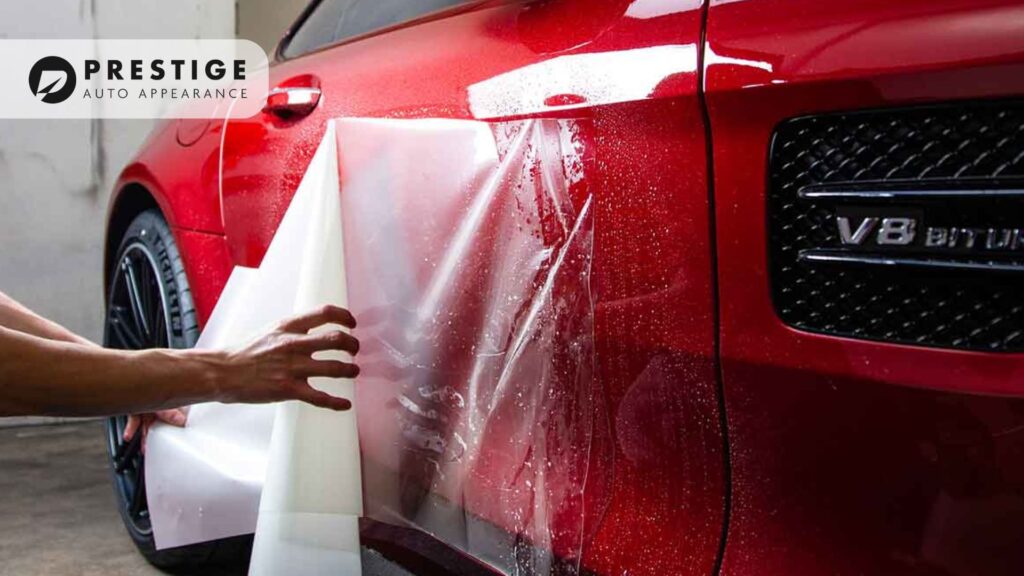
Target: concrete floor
x=57, y=514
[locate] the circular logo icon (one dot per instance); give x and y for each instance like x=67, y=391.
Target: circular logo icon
x=52, y=79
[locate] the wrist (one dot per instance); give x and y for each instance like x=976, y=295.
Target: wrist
x=210, y=369
x=187, y=376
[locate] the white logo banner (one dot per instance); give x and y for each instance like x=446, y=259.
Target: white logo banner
x=132, y=78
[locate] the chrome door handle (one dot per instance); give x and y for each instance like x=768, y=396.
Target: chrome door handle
x=292, y=101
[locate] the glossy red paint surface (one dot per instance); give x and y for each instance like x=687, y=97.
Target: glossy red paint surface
x=182, y=179
x=847, y=456
x=183, y=182
x=207, y=265
x=655, y=492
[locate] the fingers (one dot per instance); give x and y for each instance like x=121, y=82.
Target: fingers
x=325, y=315
x=137, y=423
x=309, y=367
x=320, y=399
x=134, y=421
x=330, y=340
x=328, y=369
x=174, y=417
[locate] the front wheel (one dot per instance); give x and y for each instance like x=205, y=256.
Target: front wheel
x=150, y=306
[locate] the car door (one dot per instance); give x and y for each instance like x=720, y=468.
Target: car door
x=653, y=497
x=872, y=377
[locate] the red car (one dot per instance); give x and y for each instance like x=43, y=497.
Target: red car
x=808, y=262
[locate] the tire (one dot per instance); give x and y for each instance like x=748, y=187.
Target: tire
x=149, y=305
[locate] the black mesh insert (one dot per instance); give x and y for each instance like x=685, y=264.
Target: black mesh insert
x=937, y=147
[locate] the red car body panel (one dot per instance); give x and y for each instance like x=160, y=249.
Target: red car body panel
x=183, y=181
x=854, y=457
x=844, y=456
x=658, y=463
x=207, y=262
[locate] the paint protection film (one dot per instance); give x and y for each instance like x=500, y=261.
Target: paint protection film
x=468, y=250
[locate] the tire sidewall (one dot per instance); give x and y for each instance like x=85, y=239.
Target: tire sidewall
x=150, y=231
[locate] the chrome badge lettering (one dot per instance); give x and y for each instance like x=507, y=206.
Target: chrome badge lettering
x=984, y=239
x=892, y=231
x=855, y=237
x=903, y=231
x=897, y=231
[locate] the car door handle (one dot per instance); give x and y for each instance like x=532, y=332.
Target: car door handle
x=292, y=101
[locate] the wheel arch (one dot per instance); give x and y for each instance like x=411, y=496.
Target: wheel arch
x=130, y=199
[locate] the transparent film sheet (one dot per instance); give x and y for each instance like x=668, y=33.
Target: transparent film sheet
x=289, y=472
x=468, y=252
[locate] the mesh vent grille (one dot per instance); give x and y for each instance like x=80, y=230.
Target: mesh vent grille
x=964, y=145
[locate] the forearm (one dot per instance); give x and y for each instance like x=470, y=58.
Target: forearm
x=46, y=377
x=19, y=318
x=49, y=377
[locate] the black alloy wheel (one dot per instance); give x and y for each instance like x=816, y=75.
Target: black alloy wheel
x=149, y=305
x=137, y=318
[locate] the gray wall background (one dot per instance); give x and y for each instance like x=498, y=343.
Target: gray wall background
x=56, y=175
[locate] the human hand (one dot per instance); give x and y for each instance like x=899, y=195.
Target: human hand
x=277, y=365
x=141, y=423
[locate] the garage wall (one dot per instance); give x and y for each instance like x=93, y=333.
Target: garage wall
x=56, y=175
